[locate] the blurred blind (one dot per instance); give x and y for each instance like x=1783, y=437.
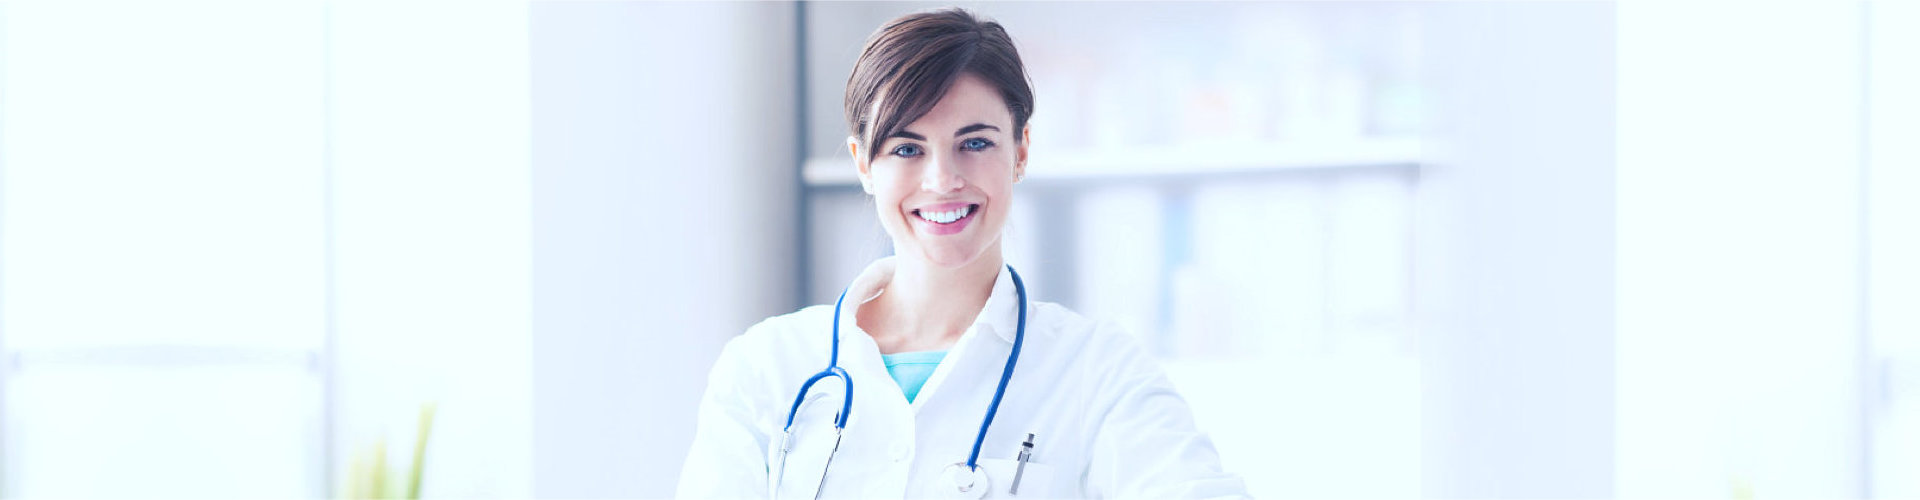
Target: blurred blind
x=161, y=249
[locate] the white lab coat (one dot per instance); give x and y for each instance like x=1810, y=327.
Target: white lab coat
x=1106, y=421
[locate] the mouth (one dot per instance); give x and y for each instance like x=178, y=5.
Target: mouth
x=947, y=218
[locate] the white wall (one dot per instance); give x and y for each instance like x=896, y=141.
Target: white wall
x=1894, y=248
x=1513, y=252
x=430, y=237
x=1739, y=284
x=663, y=195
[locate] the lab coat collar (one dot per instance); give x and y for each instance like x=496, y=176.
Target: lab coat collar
x=1001, y=314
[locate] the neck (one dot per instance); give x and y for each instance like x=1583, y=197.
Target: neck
x=928, y=307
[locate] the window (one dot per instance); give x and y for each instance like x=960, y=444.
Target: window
x=161, y=250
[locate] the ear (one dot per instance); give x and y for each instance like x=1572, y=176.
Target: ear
x=1020, y=155
x=861, y=167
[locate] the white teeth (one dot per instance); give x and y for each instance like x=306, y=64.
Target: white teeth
x=947, y=217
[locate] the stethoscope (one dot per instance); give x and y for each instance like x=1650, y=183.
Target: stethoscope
x=966, y=477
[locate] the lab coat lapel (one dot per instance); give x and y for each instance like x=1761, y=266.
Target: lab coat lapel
x=956, y=357
x=860, y=357
x=978, y=357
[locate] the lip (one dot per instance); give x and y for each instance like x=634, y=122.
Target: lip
x=942, y=207
x=938, y=229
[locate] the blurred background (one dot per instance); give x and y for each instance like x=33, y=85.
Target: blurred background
x=1385, y=249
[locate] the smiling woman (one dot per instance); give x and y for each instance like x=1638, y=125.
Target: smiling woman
x=947, y=173
x=931, y=151
x=937, y=111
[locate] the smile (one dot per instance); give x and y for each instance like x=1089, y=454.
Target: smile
x=947, y=217
x=952, y=218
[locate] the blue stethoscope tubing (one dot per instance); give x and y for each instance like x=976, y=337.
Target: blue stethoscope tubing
x=846, y=404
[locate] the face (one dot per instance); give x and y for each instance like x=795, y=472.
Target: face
x=944, y=185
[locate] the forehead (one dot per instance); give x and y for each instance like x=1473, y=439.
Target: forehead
x=968, y=101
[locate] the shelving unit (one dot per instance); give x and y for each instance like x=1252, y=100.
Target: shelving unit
x=1232, y=183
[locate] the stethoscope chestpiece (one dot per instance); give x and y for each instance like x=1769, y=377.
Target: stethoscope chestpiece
x=965, y=482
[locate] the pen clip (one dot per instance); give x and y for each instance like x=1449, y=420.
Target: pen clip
x=1020, y=467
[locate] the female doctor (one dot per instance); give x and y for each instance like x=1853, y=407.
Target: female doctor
x=934, y=376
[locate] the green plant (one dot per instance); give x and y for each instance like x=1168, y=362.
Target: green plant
x=367, y=477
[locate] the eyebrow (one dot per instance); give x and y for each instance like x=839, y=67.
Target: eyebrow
x=963, y=131
x=973, y=127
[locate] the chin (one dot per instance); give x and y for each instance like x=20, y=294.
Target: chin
x=949, y=252
x=951, y=258
x=955, y=254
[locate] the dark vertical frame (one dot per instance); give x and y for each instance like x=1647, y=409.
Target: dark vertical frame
x=803, y=213
x=7, y=359
x=1867, y=368
x=325, y=361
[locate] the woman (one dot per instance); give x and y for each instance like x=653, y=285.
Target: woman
x=959, y=386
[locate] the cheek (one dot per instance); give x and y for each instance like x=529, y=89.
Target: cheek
x=889, y=192
x=988, y=167
x=992, y=174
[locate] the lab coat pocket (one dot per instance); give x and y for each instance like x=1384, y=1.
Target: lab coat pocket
x=1036, y=481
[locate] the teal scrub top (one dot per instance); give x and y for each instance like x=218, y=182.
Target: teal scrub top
x=911, y=369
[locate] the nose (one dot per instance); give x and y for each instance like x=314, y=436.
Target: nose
x=942, y=174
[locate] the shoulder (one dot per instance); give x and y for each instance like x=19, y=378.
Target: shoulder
x=1100, y=350
x=1096, y=363
x=768, y=347
x=782, y=330
x=1066, y=326
x=1114, y=365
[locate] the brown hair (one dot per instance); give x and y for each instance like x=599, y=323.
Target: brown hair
x=909, y=63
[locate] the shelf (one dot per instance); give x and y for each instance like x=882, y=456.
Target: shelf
x=1180, y=161
x=165, y=356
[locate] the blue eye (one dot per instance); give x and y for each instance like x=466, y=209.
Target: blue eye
x=907, y=150
x=976, y=144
